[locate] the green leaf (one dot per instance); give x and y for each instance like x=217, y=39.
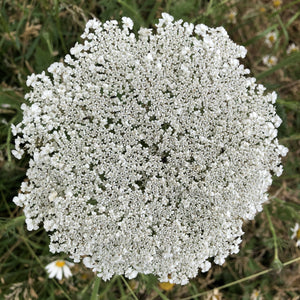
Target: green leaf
x=43, y=59
x=12, y=223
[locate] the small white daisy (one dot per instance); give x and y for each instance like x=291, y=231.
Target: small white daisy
x=256, y=295
x=231, y=17
x=59, y=268
x=296, y=234
x=214, y=295
x=292, y=48
x=269, y=61
x=271, y=38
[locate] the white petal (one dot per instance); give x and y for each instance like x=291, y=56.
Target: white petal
x=67, y=271
x=50, y=266
x=59, y=273
x=70, y=264
x=53, y=273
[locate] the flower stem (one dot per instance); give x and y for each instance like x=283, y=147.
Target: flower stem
x=128, y=286
x=96, y=288
x=242, y=279
x=276, y=262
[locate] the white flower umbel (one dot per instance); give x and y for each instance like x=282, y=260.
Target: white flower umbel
x=148, y=152
x=59, y=269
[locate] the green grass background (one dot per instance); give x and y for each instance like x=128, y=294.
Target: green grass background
x=34, y=34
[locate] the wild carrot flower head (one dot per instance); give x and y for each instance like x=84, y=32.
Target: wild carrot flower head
x=149, y=151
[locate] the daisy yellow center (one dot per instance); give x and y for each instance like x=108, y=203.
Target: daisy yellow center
x=60, y=263
x=231, y=16
x=276, y=3
x=272, y=38
x=262, y=9
x=298, y=234
x=270, y=61
x=166, y=286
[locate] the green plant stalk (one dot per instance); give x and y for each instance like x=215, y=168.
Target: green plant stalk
x=292, y=19
x=242, y=280
x=130, y=289
x=290, y=138
x=96, y=288
x=284, y=30
x=121, y=288
x=108, y=287
x=133, y=10
x=168, y=5
x=273, y=234
x=160, y=293
x=12, y=223
x=59, y=27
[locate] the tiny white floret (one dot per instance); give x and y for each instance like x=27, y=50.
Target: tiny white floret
x=127, y=23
